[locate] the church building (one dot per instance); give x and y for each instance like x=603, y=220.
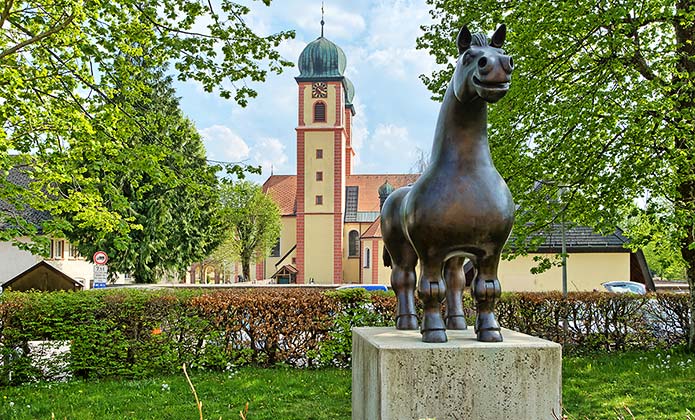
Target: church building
x=330, y=217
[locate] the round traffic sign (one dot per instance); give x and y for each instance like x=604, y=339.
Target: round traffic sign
x=100, y=258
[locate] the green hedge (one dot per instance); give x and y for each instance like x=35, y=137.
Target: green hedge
x=140, y=333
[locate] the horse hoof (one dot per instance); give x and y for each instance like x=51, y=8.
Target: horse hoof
x=406, y=322
x=489, y=335
x=456, y=322
x=434, y=336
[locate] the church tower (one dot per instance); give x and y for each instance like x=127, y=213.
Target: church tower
x=324, y=156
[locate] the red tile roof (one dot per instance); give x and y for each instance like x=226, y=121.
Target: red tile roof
x=283, y=189
x=369, y=186
x=374, y=230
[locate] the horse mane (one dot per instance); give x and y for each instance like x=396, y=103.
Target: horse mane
x=480, y=39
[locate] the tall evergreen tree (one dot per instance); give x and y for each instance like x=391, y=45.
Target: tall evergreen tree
x=162, y=186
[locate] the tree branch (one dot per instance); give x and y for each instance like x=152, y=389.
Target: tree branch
x=6, y=12
x=35, y=38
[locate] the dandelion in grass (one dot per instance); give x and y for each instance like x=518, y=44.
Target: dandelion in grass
x=165, y=387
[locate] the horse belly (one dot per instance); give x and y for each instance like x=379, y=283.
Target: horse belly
x=473, y=215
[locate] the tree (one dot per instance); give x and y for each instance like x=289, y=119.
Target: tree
x=602, y=105
x=253, y=220
x=163, y=186
x=58, y=64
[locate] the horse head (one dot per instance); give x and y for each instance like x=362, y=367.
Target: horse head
x=482, y=68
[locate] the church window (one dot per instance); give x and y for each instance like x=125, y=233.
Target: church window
x=320, y=112
x=319, y=153
x=319, y=200
x=319, y=175
x=275, y=252
x=353, y=244
x=367, y=257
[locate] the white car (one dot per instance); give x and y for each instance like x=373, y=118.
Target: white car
x=625, y=287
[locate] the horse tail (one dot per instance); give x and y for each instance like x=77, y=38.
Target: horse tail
x=387, y=257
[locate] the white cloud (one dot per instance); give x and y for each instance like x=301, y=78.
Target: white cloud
x=223, y=143
x=270, y=154
x=391, y=37
x=340, y=23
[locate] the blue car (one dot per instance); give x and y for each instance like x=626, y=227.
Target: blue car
x=367, y=287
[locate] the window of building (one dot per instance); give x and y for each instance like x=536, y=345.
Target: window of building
x=319, y=175
x=367, y=257
x=57, y=249
x=275, y=252
x=74, y=253
x=320, y=112
x=319, y=200
x=353, y=244
x=294, y=260
x=319, y=153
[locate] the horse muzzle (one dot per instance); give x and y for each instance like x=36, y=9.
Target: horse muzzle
x=491, y=90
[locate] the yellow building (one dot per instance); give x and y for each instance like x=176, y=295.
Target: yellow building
x=330, y=216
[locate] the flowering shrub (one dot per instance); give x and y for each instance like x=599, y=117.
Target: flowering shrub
x=140, y=333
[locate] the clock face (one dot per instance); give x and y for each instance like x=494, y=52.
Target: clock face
x=319, y=90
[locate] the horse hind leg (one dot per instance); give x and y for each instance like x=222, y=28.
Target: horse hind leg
x=455, y=283
x=432, y=292
x=486, y=291
x=403, y=282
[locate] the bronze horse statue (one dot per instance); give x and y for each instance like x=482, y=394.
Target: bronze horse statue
x=459, y=208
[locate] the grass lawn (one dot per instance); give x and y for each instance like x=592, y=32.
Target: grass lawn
x=654, y=385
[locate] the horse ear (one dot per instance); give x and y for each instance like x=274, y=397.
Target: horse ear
x=498, y=36
x=463, y=40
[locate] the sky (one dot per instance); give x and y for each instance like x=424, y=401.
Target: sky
x=394, y=118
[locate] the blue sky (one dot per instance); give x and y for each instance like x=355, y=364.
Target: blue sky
x=395, y=117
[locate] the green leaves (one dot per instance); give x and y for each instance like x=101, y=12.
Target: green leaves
x=76, y=100
x=253, y=222
x=601, y=105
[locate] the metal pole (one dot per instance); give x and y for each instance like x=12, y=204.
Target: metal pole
x=564, y=257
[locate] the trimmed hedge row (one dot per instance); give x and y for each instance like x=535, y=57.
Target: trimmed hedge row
x=140, y=333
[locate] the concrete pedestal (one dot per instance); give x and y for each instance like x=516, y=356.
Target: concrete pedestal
x=395, y=376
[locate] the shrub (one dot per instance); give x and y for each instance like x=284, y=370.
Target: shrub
x=139, y=333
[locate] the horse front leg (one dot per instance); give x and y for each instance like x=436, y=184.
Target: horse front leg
x=486, y=291
x=403, y=283
x=432, y=291
x=455, y=283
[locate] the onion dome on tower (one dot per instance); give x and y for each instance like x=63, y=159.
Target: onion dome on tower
x=321, y=59
x=384, y=191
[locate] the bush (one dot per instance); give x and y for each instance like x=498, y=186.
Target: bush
x=138, y=333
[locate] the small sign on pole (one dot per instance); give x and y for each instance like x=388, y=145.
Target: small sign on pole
x=101, y=270
x=100, y=258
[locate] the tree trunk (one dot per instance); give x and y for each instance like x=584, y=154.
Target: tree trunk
x=246, y=268
x=685, y=100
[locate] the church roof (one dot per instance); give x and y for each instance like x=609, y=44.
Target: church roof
x=374, y=230
x=362, y=193
x=283, y=190
x=368, y=188
x=321, y=59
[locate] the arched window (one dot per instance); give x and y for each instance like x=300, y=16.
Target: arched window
x=367, y=257
x=353, y=244
x=320, y=112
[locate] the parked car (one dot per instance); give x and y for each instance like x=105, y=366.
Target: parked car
x=367, y=287
x=625, y=287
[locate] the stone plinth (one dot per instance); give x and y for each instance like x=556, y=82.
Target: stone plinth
x=395, y=376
